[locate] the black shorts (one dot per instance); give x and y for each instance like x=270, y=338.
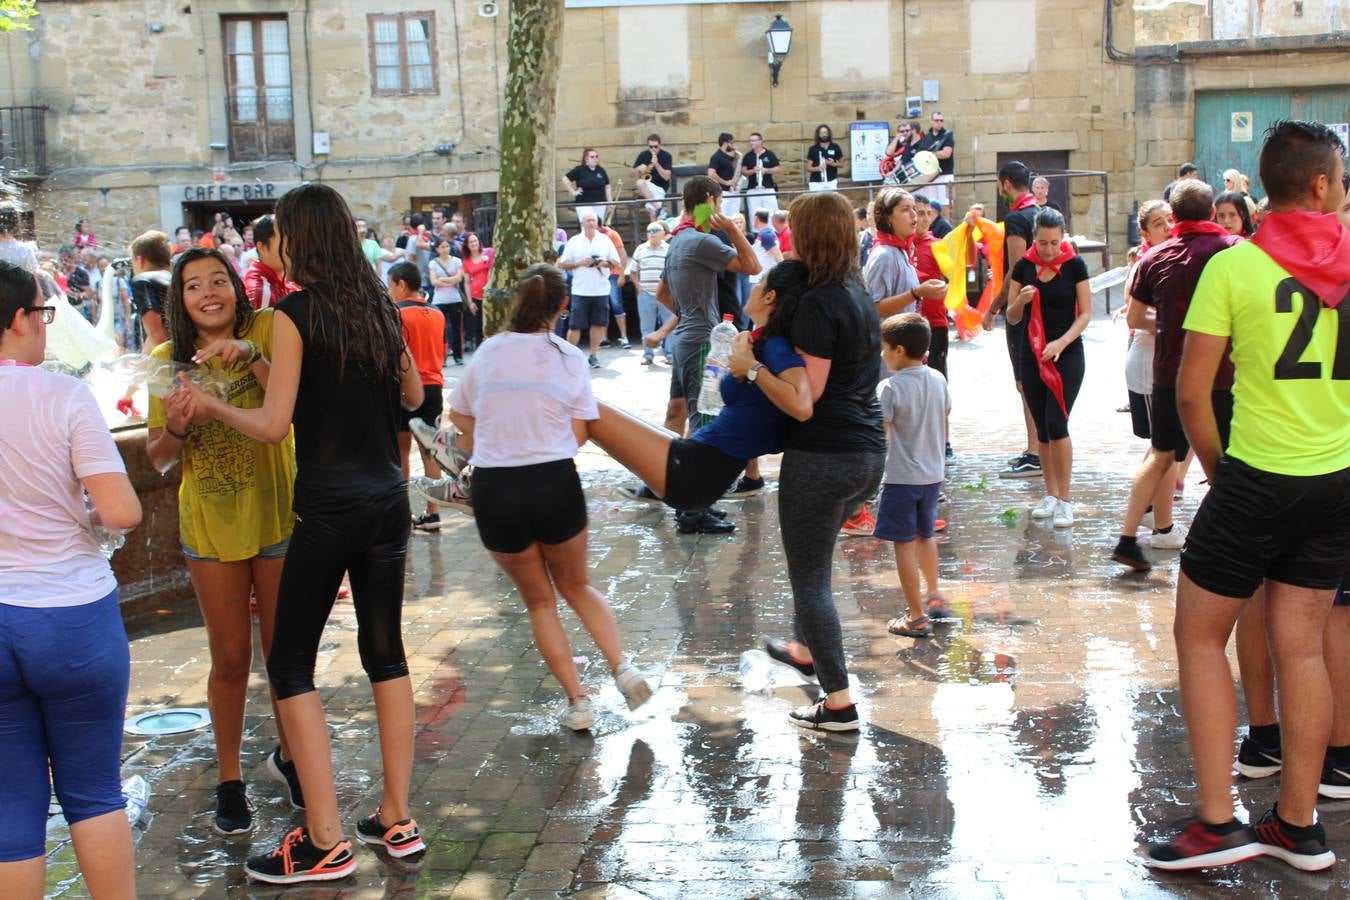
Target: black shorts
x=516, y=506
x=698, y=474
x=1168, y=435
x=1141, y=414
x=1254, y=525
x=588, y=312
x=1016, y=336
x=428, y=412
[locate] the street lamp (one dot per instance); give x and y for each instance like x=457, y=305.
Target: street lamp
x=779, y=37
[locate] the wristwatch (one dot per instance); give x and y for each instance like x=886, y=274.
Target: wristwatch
x=753, y=373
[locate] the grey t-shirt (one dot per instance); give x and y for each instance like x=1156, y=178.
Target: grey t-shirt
x=914, y=404
x=888, y=273
x=693, y=262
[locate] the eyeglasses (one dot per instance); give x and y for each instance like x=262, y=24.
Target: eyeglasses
x=48, y=312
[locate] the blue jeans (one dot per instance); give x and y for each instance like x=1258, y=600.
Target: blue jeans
x=63, y=697
x=615, y=299
x=651, y=316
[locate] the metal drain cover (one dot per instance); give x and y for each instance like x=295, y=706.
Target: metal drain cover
x=168, y=721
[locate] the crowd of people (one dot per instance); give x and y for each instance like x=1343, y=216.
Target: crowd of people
x=334, y=346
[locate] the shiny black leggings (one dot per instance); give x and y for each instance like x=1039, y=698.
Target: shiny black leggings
x=370, y=542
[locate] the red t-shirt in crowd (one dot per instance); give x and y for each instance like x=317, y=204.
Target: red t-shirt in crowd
x=424, y=330
x=265, y=287
x=478, y=273
x=1165, y=279
x=934, y=309
x=785, y=239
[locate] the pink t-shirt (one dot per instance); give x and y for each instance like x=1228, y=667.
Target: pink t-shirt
x=51, y=435
x=523, y=391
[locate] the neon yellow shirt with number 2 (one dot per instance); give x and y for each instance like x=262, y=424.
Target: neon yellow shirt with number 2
x=235, y=497
x=1291, y=398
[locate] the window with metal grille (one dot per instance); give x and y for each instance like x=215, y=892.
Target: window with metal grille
x=258, y=82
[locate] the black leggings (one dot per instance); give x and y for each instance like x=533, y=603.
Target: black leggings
x=1052, y=424
x=937, y=350
x=454, y=327
x=370, y=541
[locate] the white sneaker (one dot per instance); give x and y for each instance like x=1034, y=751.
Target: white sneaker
x=440, y=443
x=1046, y=508
x=1063, y=514
x=1172, y=540
x=1147, y=521
x=577, y=716
x=447, y=491
x=633, y=685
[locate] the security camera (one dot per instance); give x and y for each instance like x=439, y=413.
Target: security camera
x=489, y=9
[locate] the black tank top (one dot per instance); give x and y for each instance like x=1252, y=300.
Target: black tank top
x=346, y=425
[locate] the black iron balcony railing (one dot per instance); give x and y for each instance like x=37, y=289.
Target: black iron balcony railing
x=23, y=141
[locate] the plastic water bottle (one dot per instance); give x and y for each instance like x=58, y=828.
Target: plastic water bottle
x=136, y=792
x=1108, y=279
x=756, y=672
x=710, y=394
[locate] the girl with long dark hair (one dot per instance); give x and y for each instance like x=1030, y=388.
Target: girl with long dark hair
x=340, y=370
x=522, y=409
x=234, y=502
x=1231, y=211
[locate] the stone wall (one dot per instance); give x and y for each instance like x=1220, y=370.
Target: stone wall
x=1172, y=22
x=137, y=98
x=1013, y=76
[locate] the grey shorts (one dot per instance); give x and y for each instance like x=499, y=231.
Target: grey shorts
x=686, y=377
x=273, y=551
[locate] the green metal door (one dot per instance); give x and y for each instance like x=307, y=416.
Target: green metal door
x=1216, y=129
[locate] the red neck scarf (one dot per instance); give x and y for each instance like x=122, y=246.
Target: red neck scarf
x=1206, y=227
x=1036, y=322
x=1066, y=253
x=685, y=224
x=1026, y=201
x=1313, y=247
x=905, y=245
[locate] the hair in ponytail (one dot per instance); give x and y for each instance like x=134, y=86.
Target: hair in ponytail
x=538, y=298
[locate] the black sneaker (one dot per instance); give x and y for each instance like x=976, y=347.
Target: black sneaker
x=1302, y=847
x=1129, y=553
x=744, y=487
x=1201, y=846
x=1335, y=783
x=400, y=839
x=624, y=344
x=779, y=653
x=283, y=770
x=428, y=522
x=642, y=494
x=1028, y=465
x=296, y=860
x=234, y=814
x=593, y=362
x=1254, y=760
x=719, y=513
x=949, y=453
x=702, y=522
x=821, y=718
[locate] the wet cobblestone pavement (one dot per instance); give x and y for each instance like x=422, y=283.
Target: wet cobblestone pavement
x=1024, y=751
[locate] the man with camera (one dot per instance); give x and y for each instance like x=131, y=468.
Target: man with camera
x=588, y=257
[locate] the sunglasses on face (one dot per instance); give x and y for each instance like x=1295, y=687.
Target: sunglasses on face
x=48, y=312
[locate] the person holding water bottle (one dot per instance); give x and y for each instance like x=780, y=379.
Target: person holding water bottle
x=688, y=287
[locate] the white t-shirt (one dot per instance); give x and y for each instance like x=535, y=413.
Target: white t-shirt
x=52, y=434
x=523, y=391
x=447, y=269
x=589, y=281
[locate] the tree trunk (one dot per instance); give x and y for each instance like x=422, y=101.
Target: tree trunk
x=525, y=200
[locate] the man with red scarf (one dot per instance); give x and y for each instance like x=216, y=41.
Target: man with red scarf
x=264, y=281
x=1278, y=509
x=1165, y=281
x=1014, y=183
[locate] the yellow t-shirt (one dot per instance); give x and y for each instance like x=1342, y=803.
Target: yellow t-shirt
x=236, y=493
x=1291, y=397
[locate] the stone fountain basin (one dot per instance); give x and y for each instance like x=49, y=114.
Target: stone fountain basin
x=151, y=572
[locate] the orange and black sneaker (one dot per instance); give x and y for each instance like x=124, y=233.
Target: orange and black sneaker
x=400, y=839
x=1202, y=846
x=296, y=860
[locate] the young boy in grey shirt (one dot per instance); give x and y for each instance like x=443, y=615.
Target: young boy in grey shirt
x=914, y=406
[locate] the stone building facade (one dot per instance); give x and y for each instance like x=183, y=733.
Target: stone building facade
x=162, y=112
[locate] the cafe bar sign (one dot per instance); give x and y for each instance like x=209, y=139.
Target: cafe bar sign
x=250, y=192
